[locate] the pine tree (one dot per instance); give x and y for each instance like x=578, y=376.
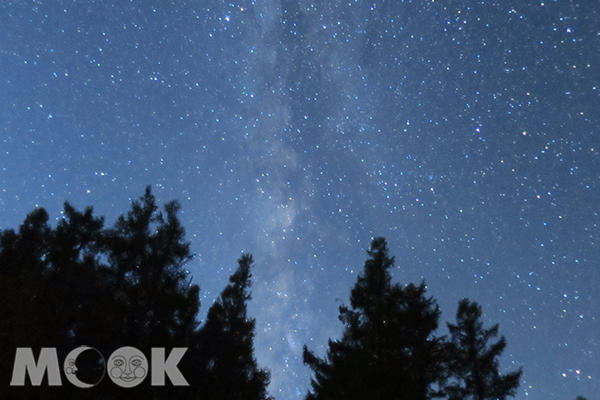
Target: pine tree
x=25, y=311
x=387, y=350
x=153, y=303
x=73, y=275
x=146, y=253
x=474, y=364
x=81, y=284
x=48, y=287
x=229, y=369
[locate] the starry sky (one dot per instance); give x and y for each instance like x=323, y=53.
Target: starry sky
x=465, y=132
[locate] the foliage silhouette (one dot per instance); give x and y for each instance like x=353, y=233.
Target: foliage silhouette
x=388, y=350
x=474, y=363
x=226, y=347
x=82, y=284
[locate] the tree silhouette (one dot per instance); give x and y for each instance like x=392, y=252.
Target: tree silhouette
x=474, y=363
x=146, y=252
x=81, y=284
x=387, y=350
x=73, y=276
x=26, y=318
x=153, y=304
x=230, y=370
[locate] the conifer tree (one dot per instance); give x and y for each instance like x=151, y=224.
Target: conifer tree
x=230, y=370
x=153, y=303
x=387, y=350
x=73, y=275
x=474, y=363
x=81, y=284
x=25, y=312
x=146, y=252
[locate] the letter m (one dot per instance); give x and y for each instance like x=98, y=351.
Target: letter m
x=24, y=362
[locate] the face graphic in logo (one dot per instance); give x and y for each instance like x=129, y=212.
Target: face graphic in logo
x=127, y=367
x=70, y=367
x=84, y=367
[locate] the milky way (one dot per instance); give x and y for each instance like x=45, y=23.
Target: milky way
x=465, y=132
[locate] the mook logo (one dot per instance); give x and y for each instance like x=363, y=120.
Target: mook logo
x=85, y=367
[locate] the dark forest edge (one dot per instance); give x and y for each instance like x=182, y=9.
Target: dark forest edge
x=83, y=284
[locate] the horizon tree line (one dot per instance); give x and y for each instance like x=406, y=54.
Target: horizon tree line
x=80, y=283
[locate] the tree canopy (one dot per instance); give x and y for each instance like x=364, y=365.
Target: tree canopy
x=81, y=283
x=226, y=345
x=474, y=363
x=389, y=349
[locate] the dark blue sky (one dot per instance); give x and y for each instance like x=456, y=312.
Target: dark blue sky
x=465, y=132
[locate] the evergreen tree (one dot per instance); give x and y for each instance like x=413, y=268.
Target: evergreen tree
x=387, y=350
x=153, y=303
x=474, y=364
x=80, y=284
x=229, y=369
x=25, y=312
x=146, y=253
x=73, y=276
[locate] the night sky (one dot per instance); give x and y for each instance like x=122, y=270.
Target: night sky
x=465, y=132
